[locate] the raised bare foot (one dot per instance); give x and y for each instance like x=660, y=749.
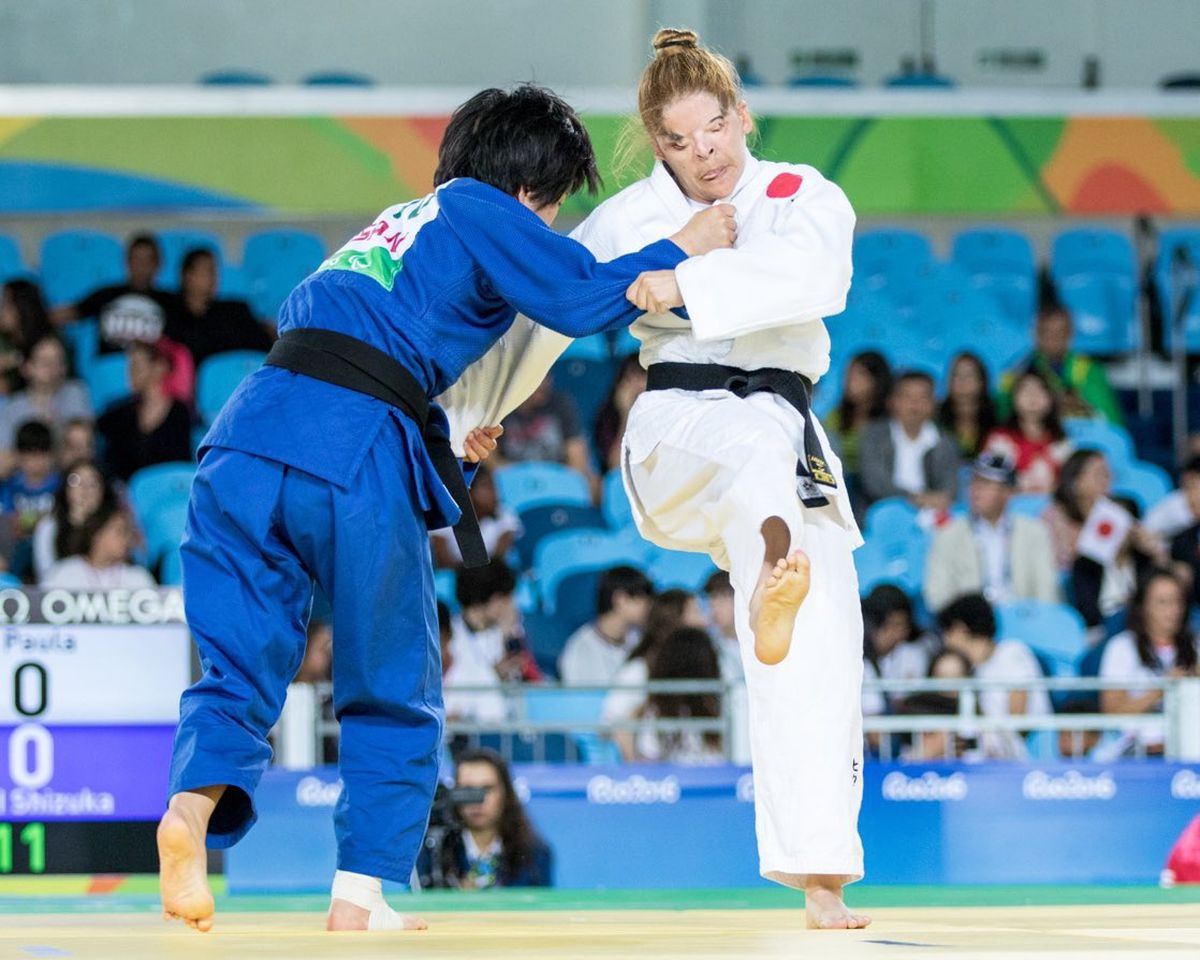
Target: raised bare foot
x=183, y=870
x=774, y=605
x=828, y=911
x=344, y=915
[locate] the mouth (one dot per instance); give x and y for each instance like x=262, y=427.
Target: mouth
x=714, y=174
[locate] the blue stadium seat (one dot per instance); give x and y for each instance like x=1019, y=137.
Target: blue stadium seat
x=884, y=560
x=892, y=518
x=171, y=569
x=163, y=483
x=546, y=635
x=11, y=265
x=588, y=381
x=83, y=341
x=1095, y=274
x=1000, y=263
x=445, y=584
x=562, y=555
x=1053, y=629
x=588, y=348
x=1145, y=482
x=107, y=380
x=1114, y=441
x=164, y=529
x=624, y=343
x=219, y=376
x=76, y=262
x=1165, y=277
x=822, y=80
x=175, y=245
x=522, y=486
x=564, y=706
x=883, y=252
x=614, y=503
x=274, y=262
x=675, y=569
x=927, y=81
x=1028, y=504
x=236, y=78
x=335, y=78
x=539, y=522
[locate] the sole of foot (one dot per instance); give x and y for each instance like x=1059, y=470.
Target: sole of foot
x=183, y=873
x=774, y=606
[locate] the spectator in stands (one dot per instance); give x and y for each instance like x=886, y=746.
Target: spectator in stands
x=1085, y=479
x=1033, y=437
x=968, y=413
x=594, y=653
x=77, y=442
x=28, y=495
x=130, y=311
x=939, y=744
x=48, y=396
x=206, y=325
x=719, y=593
x=498, y=846
x=893, y=648
x=610, y=421
x=1078, y=743
x=489, y=628
x=1179, y=511
x=991, y=551
x=471, y=689
x=23, y=322
x=1079, y=383
x=83, y=492
x=910, y=456
x=499, y=526
x=546, y=427
x=150, y=427
x=1157, y=643
x=686, y=654
x=317, y=665
x=968, y=625
x=103, y=559
x=669, y=610
x=865, y=390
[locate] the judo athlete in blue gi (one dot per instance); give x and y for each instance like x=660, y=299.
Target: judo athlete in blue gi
x=330, y=464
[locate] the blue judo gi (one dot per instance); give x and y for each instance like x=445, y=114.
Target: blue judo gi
x=301, y=481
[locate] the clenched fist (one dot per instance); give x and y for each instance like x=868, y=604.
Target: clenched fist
x=710, y=229
x=655, y=291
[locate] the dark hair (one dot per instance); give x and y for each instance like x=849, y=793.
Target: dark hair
x=34, y=436
x=877, y=606
x=626, y=580
x=33, y=322
x=880, y=372
x=666, y=611
x=609, y=426
x=67, y=536
x=1050, y=422
x=477, y=585
x=911, y=376
x=91, y=528
x=985, y=416
x=143, y=240
x=717, y=583
x=1064, y=493
x=519, y=842
x=686, y=653
x=194, y=256
x=1191, y=465
x=945, y=654
x=973, y=612
x=445, y=620
x=524, y=139
x=1185, y=641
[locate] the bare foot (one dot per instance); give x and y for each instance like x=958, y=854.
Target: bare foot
x=183, y=870
x=828, y=911
x=774, y=606
x=344, y=915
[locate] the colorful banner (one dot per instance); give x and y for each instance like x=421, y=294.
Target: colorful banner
x=353, y=165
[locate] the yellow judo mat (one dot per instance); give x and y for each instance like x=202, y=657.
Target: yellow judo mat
x=657, y=925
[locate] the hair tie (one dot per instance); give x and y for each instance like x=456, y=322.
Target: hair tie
x=675, y=43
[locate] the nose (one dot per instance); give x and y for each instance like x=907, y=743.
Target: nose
x=704, y=148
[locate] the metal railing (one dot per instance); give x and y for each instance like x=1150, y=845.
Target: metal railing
x=307, y=729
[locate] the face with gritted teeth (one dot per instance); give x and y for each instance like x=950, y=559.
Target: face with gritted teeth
x=703, y=145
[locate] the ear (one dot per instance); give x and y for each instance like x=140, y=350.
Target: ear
x=658, y=154
x=743, y=113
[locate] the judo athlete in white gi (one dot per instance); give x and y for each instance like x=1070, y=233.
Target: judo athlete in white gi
x=712, y=466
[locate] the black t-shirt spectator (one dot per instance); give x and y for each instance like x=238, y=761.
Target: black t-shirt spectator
x=1185, y=548
x=226, y=325
x=541, y=434
x=127, y=449
x=125, y=315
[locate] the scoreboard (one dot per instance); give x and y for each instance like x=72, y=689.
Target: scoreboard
x=89, y=699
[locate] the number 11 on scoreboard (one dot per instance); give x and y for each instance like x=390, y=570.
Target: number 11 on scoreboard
x=33, y=836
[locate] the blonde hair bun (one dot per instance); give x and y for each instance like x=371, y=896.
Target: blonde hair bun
x=668, y=41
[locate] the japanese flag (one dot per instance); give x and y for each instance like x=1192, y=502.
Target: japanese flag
x=1104, y=531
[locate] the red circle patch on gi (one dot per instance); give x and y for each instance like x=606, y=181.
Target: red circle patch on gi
x=784, y=185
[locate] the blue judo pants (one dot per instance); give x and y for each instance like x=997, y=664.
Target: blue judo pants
x=258, y=534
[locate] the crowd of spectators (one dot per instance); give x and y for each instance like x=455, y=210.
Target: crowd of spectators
x=66, y=518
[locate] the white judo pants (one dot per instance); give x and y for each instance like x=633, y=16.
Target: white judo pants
x=703, y=473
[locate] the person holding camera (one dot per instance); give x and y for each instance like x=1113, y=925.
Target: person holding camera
x=489, y=843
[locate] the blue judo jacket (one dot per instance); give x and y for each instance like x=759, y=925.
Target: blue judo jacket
x=433, y=283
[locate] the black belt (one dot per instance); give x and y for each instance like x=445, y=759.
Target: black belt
x=811, y=468
x=348, y=362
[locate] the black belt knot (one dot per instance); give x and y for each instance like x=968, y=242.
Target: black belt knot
x=348, y=362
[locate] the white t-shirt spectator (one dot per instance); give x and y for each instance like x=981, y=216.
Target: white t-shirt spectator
x=626, y=704
x=590, y=659
x=492, y=529
x=874, y=703
x=905, y=661
x=909, y=471
x=478, y=705
x=1120, y=661
x=1012, y=662
x=71, y=402
x=484, y=647
x=75, y=573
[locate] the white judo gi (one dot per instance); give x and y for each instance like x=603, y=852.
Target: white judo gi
x=704, y=471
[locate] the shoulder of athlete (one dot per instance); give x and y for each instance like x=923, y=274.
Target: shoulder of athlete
x=796, y=183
